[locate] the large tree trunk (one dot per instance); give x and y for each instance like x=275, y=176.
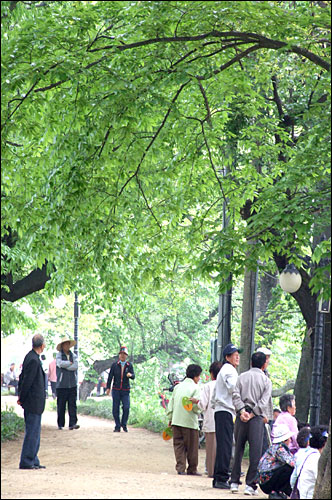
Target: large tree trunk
x=267, y=283
x=323, y=482
x=247, y=319
x=303, y=380
x=325, y=410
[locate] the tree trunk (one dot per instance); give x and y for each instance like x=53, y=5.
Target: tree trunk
x=323, y=482
x=325, y=410
x=247, y=319
x=267, y=283
x=303, y=380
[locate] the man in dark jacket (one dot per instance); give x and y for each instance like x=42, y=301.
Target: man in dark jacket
x=121, y=371
x=31, y=396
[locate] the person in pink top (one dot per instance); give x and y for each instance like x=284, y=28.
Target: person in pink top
x=288, y=410
x=52, y=375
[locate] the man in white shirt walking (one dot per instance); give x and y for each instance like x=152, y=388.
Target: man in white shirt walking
x=224, y=415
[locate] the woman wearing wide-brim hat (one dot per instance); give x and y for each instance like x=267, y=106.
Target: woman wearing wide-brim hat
x=66, y=385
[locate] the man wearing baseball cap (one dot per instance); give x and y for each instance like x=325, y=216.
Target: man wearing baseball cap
x=120, y=373
x=224, y=414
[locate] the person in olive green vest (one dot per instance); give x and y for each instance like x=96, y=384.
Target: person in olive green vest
x=185, y=423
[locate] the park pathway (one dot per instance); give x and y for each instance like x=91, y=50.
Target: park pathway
x=93, y=462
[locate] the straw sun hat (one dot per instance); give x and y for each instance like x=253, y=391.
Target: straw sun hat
x=66, y=339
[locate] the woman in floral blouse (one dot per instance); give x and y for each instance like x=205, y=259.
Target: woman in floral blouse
x=277, y=464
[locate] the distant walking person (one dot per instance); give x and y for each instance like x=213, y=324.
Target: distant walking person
x=251, y=398
x=120, y=373
x=66, y=385
x=31, y=396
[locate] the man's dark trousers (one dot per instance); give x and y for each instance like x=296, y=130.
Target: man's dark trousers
x=224, y=436
x=64, y=395
x=119, y=396
x=31, y=441
x=253, y=432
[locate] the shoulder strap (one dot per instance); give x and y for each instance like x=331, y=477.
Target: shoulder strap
x=304, y=461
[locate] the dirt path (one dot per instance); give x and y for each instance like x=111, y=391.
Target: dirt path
x=94, y=462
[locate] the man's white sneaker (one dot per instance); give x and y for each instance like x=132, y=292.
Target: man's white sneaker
x=250, y=491
x=234, y=487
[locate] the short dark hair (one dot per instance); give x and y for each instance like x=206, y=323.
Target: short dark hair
x=318, y=439
x=285, y=401
x=301, y=425
x=193, y=371
x=215, y=368
x=303, y=437
x=258, y=359
x=276, y=409
x=37, y=340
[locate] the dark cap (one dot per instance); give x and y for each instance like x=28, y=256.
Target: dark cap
x=230, y=349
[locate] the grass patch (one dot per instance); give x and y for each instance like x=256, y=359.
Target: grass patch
x=11, y=424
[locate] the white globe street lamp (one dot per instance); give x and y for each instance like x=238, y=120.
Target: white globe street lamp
x=290, y=279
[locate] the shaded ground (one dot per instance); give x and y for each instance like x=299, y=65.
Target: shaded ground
x=94, y=462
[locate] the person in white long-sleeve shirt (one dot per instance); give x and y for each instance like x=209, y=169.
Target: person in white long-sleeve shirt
x=307, y=470
x=224, y=415
x=204, y=404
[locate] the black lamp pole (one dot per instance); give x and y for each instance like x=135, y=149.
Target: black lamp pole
x=225, y=301
x=317, y=369
x=76, y=315
x=318, y=358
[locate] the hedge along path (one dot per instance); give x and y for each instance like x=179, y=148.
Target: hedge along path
x=94, y=462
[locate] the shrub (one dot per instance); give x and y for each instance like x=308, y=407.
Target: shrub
x=11, y=424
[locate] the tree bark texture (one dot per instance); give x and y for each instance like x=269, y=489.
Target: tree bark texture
x=267, y=283
x=323, y=482
x=325, y=409
x=247, y=319
x=31, y=283
x=303, y=380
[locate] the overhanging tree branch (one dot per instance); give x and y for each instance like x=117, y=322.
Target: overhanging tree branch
x=154, y=138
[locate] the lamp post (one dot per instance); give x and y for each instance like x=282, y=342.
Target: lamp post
x=76, y=316
x=290, y=281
